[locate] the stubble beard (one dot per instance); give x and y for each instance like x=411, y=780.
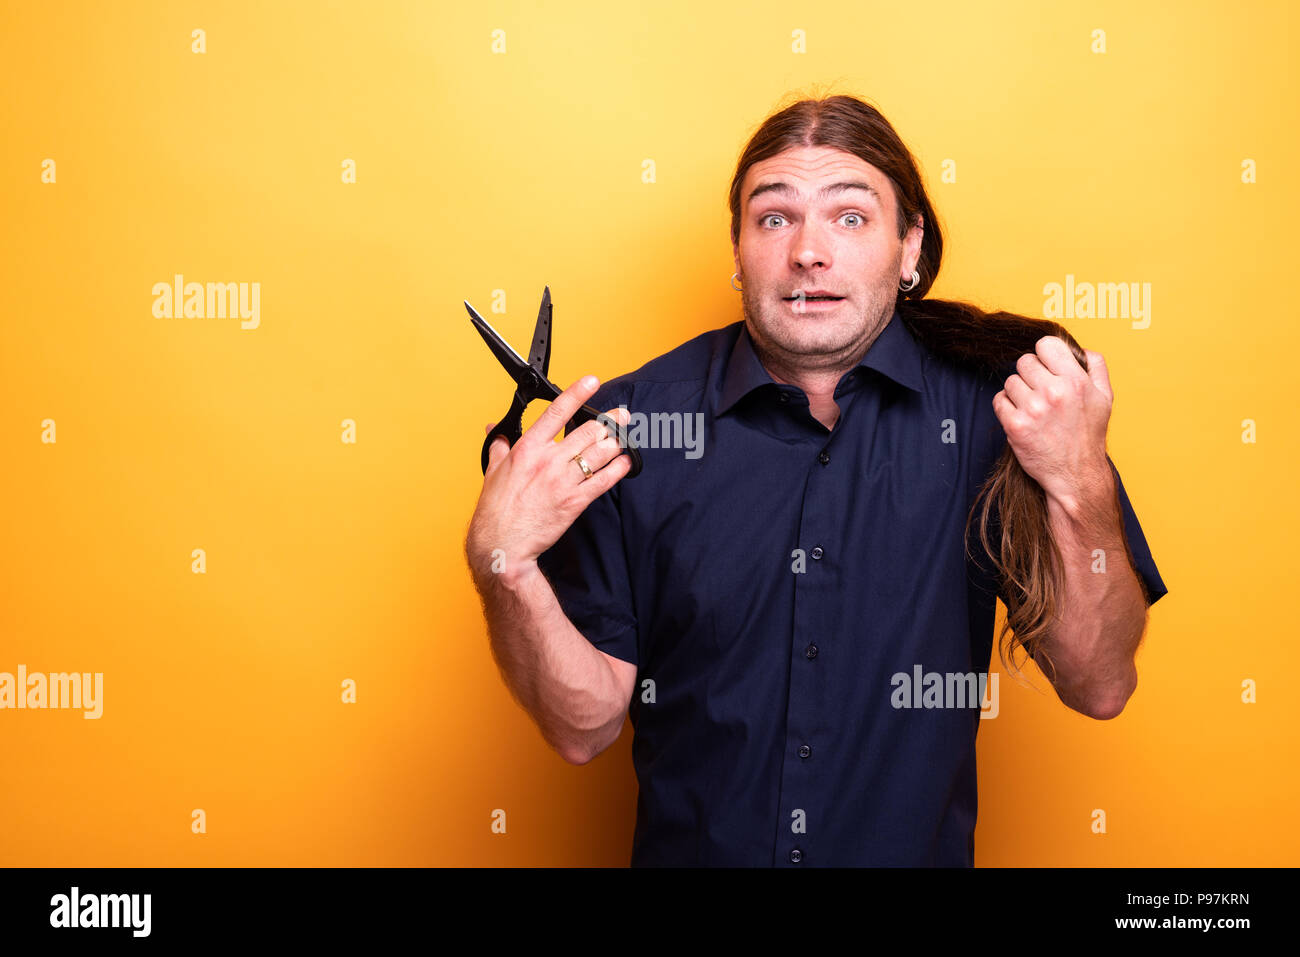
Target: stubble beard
x=795, y=342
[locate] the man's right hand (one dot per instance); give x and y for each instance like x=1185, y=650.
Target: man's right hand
x=534, y=491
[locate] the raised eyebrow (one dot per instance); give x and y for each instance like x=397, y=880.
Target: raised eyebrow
x=785, y=189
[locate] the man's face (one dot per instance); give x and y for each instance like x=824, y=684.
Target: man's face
x=843, y=242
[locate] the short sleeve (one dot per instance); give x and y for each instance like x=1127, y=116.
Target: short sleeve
x=588, y=570
x=1140, y=551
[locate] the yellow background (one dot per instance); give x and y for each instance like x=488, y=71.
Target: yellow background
x=477, y=172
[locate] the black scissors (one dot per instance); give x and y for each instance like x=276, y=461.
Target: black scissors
x=531, y=383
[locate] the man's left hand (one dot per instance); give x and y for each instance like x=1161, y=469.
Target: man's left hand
x=1055, y=415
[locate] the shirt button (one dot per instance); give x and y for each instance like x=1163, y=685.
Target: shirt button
x=817, y=552
x=782, y=397
x=804, y=751
x=824, y=458
x=796, y=856
x=811, y=651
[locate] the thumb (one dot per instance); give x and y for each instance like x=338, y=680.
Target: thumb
x=1098, y=373
x=488, y=428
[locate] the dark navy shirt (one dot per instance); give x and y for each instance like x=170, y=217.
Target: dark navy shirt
x=772, y=582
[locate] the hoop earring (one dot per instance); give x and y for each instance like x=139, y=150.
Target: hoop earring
x=734, y=277
x=916, y=279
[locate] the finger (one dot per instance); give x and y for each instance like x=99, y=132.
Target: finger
x=552, y=421
x=583, y=437
x=599, y=454
x=1099, y=374
x=600, y=483
x=1032, y=370
x=497, y=452
x=487, y=429
x=1010, y=419
x=1019, y=392
x=589, y=433
x=1056, y=356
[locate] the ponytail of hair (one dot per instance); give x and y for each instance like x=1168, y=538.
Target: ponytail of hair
x=1010, y=507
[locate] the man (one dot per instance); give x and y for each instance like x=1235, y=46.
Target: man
x=758, y=606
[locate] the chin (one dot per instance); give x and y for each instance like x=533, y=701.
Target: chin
x=808, y=334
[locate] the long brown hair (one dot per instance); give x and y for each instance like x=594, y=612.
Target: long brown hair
x=1027, y=560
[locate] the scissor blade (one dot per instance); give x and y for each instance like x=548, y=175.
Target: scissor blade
x=512, y=361
x=540, y=355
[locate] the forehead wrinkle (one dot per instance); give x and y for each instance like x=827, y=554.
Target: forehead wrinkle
x=786, y=189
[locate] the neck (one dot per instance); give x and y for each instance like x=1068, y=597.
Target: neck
x=817, y=381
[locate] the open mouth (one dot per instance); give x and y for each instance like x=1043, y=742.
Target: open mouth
x=807, y=305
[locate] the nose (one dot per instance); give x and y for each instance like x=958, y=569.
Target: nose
x=811, y=247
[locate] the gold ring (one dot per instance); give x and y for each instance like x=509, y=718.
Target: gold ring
x=582, y=464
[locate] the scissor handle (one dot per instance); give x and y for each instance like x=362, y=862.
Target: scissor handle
x=511, y=426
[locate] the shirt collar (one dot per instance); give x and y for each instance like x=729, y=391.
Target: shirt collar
x=895, y=353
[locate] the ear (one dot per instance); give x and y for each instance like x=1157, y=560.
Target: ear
x=912, y=245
